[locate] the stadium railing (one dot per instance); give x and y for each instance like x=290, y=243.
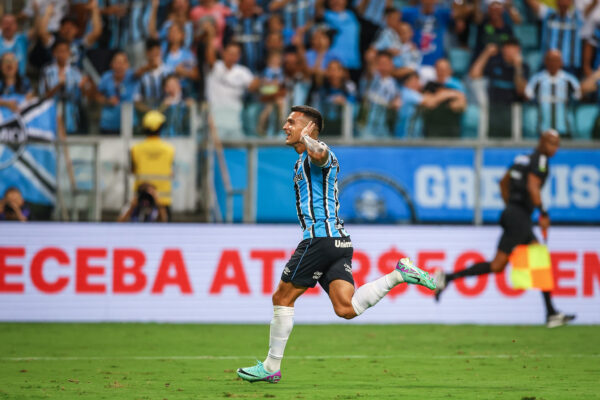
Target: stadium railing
x=200, y=160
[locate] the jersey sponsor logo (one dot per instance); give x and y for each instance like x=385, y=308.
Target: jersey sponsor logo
x=317, y=275
x=343, y=244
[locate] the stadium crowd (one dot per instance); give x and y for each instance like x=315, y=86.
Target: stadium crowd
x=402, y=69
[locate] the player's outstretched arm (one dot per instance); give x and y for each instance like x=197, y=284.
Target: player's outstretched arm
x=317, y=151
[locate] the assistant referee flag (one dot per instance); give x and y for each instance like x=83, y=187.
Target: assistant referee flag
x=531, y=267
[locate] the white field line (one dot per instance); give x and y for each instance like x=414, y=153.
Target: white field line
x=308, y=357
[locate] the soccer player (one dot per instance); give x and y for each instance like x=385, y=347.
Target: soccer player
x=325, y=253
x=521, y=189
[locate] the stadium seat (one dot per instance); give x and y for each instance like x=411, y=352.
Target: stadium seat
x=534, y=60
x=585, y=119
x=459, y=59
x=530, y=121
x=470, y=122
x=527, y=35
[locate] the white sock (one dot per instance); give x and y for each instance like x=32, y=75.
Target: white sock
x=370, y=293
x=281, y=327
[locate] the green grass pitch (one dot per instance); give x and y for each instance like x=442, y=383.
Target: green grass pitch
x=345, y=361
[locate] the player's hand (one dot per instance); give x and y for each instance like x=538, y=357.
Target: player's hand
x=544, y=222
x=307, y=130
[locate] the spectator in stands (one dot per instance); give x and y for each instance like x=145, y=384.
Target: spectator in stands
x=591, y=85
x=152, y=160
x=14, y=88
x=275, y=24
x=331, y=94
x=181, y=60
x=561, y=29
x=591, y=45
x=412, y=101
x=274, y=43
x=218, y=12
x=411, y=55
x=318, y=57
x=494, y=28
x=64, y=82
x=69, y=32
x=396, y=37
x=12, y=206
x=206, y=53
x=430, y=22
x=116, y=87
x=372, y=19
x=297, y=76
x=150, y=89
x=248, y=29
x=554, y=90
x=36, y=8
x=271, y=95
x=295, y=14
x=507, y=78
x=346, y=42
x=227, y=83
x=178, y=15
x=445, y=119
x=144, y=207
x=373, y=10
x=380, y=99
x=176, y=108
x=13, y=41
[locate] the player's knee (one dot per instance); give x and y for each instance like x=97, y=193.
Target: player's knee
x=346, y=312
x=280, y=299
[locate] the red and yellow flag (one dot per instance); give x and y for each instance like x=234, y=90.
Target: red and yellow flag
x=531, y=267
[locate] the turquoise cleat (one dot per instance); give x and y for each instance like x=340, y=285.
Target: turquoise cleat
x=258, y=373
x=414, y=275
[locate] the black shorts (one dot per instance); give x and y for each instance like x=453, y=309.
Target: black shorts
x=320, y=260
x=518, y=228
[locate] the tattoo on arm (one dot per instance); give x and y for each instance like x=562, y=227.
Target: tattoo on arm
x=317, y=151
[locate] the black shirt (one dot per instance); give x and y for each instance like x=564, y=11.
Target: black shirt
x=501, y=76
x=535, y=163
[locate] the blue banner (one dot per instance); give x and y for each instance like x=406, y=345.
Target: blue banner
x=422, y=185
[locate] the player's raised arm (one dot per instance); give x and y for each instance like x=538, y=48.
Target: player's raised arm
x=317, y=151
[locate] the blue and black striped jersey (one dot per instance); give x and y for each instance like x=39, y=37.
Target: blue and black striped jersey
x=317, y=202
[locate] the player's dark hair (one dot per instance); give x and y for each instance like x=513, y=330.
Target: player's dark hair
x=390, y=10
x=313, y=114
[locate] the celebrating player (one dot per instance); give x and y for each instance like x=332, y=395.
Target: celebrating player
x=325, y=253
x=521, y=189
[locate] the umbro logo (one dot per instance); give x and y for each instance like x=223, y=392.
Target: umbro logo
x=317, y=275
x=286, y=271
x=298, y=177
x=348, y=268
